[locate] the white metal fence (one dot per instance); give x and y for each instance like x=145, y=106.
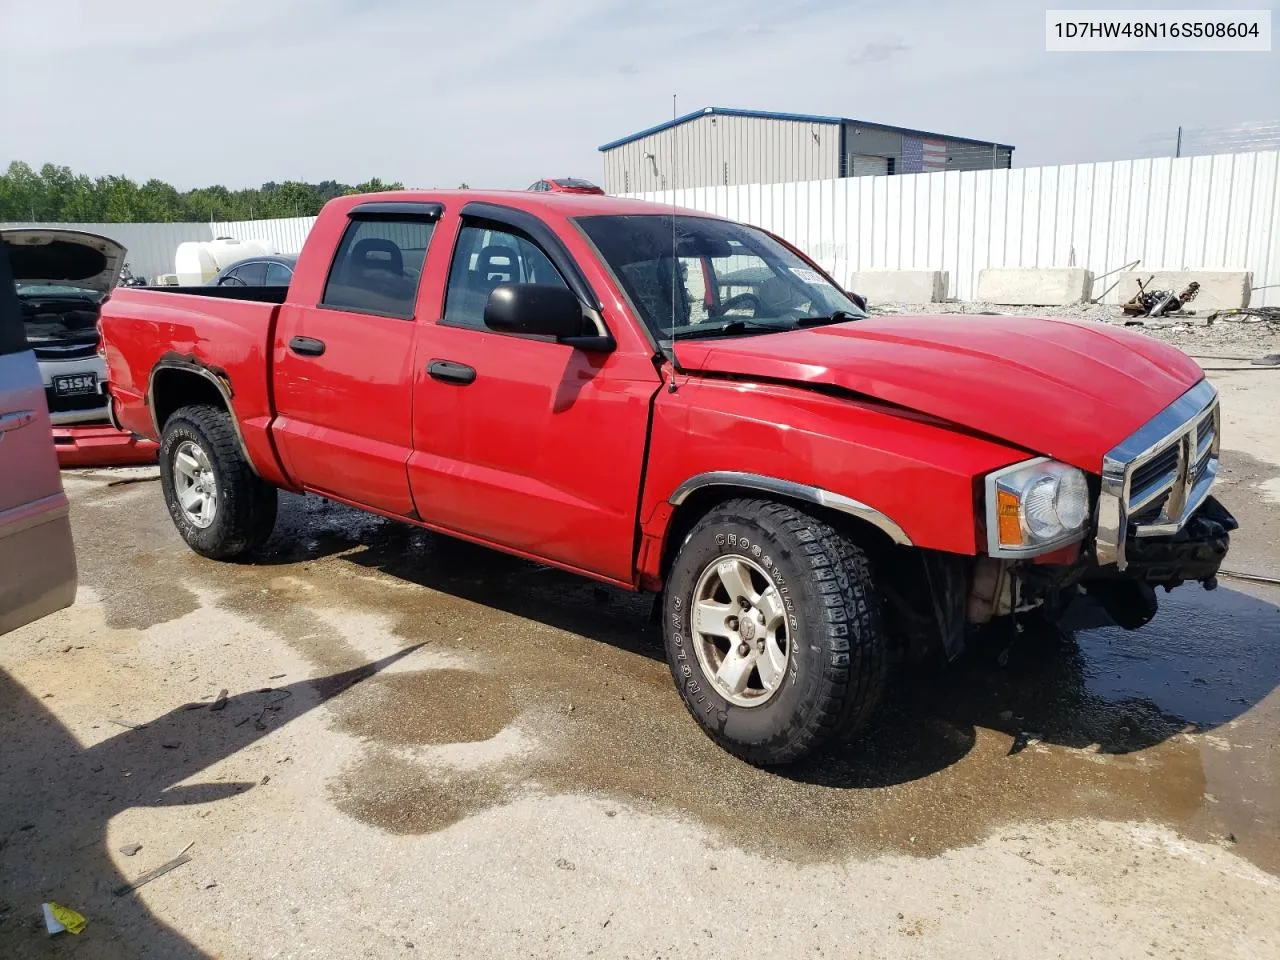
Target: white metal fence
x=287, y=234
x=1211, y=212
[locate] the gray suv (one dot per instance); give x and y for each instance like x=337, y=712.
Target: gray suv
x=37, y=557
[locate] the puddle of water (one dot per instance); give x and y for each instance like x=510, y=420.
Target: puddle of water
x=400, y=796
x=1206, y=657
x=421, y=708
x=110, y=555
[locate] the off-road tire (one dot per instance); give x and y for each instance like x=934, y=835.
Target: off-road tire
x=246, y=510
x=839, y=660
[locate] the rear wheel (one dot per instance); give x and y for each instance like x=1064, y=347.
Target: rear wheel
x=773, y=631
x=219, y=505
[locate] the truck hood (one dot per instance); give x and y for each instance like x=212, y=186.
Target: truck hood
x=1066, y=389
x=52, y=256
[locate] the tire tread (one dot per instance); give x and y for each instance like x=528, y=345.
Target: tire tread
x=856, y=668
x=250, y=501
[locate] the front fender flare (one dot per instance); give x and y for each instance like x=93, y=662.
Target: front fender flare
x=796, y=491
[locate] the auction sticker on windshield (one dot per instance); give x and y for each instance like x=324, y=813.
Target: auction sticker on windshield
x=810, y=276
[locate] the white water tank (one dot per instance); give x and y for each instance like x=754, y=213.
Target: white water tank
x=196, y=261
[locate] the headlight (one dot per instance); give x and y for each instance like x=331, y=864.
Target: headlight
x=1035, y=507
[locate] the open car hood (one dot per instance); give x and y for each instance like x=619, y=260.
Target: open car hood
x=54, y=256
x=1070, y=390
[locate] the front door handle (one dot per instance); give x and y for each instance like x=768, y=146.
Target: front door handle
x=307, y=346
x=12, y=421
x=450, y=372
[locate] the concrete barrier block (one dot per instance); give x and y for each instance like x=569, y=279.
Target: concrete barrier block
x=901, y=286
x=1034, y=286
x=1219, y=289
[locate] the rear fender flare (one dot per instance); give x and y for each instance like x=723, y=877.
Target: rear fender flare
x=224, y=391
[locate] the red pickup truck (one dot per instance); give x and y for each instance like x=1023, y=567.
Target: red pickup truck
x=672, y=402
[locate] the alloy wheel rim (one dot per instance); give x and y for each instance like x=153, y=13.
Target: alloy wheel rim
x=739, y=627
x=194, y=484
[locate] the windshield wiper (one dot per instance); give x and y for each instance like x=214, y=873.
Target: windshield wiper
x=732, y=328
x=835, y=316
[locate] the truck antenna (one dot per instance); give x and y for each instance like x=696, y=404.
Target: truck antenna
x=675, y=262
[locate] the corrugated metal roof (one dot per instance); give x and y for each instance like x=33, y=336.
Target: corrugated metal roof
x=802, y=117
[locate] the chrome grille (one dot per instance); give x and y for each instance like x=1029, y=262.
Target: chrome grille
x=1155, y=473
x=1151, y=511
x=1156, y=479
x=1206, y=448
x=1207, y=429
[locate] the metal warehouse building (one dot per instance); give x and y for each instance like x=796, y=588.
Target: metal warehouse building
x=717, y=145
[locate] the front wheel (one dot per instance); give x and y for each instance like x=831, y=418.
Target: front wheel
x=220, y=506
x=773, y=631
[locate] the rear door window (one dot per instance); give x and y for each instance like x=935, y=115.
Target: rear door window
x=377, y=267
x=278, y=275
x=253, y=274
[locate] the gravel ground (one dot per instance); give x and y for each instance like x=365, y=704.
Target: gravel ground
x=383, y=743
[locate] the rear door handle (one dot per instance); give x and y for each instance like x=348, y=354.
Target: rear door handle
x=12, y=421
x=450, y=372
x=307, y=346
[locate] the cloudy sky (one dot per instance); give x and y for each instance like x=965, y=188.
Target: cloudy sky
x=502, y=92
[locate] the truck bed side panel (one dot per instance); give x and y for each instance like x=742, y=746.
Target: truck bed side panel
x=231, y=339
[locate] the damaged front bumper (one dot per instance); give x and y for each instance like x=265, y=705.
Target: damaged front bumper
x=1192, y=555
x=1156, y=481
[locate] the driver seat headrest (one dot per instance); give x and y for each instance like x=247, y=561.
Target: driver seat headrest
x=373, y=253
x=500, y=260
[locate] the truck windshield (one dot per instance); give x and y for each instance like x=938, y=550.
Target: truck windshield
x=711, y=278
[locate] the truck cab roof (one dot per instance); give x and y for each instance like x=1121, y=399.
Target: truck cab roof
x=562, y=204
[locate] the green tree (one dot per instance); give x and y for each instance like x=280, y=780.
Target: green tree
x=56, y=185
x=82, y=203
x=20, y=191
x=57, y=194
x=373, y=186
x=121, y=195
x=159, y=202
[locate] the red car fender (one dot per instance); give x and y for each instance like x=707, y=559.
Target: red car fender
x=908, y=471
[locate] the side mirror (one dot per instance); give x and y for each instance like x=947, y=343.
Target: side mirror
x=540, y=309
x=857, y=298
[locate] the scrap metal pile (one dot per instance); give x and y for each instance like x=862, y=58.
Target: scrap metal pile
x=1150, y=304
x=1157, y=303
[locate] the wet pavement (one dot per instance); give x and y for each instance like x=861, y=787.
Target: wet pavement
x=527, y=683
x=1116, y=724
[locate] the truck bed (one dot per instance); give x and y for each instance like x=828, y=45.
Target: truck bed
x=151, y=332
x=264, y=294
